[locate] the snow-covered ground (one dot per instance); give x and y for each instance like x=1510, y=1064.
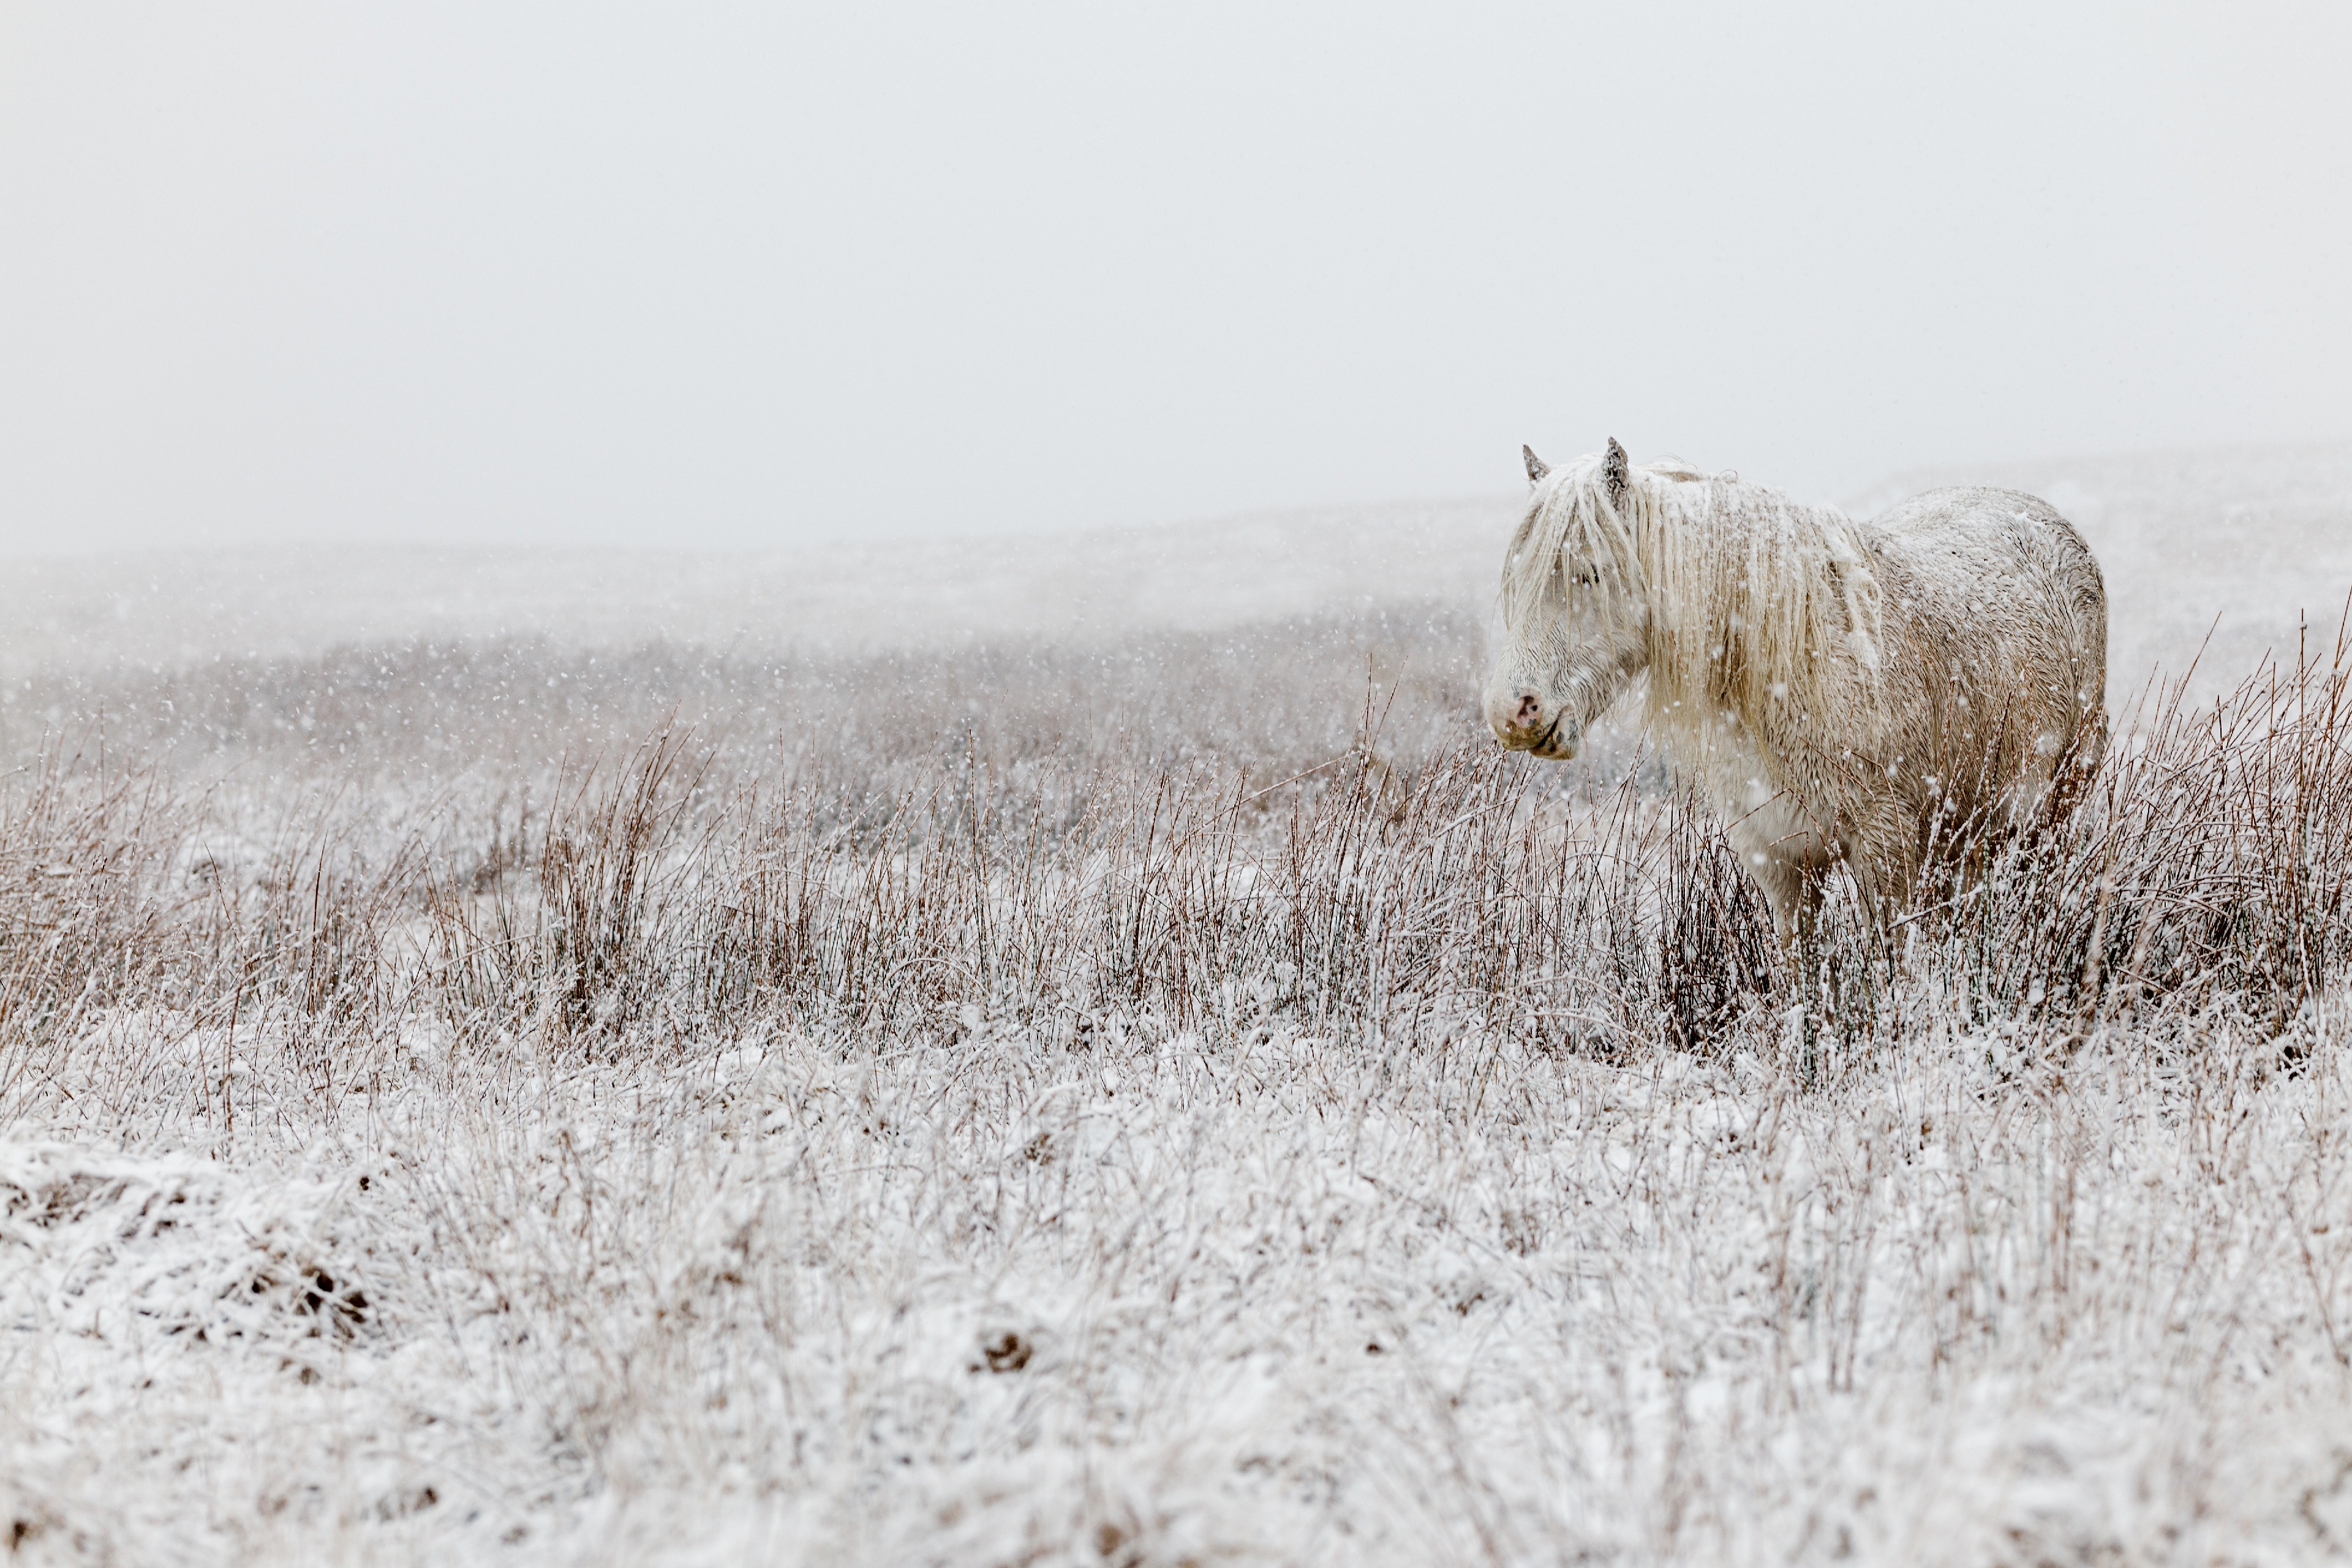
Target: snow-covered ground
x=993, y=1113
x=1268, y=1297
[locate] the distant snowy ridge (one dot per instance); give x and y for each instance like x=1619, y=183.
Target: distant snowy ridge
x=895, y=593
x=2236, y=541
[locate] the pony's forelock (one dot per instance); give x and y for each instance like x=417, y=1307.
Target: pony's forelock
x=1571, y=512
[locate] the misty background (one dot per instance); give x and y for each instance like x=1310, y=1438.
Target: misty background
x=742, y=277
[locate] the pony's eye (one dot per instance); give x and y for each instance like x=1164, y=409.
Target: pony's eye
x=1586, y=576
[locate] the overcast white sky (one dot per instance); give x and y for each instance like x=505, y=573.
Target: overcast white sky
x=732, y=277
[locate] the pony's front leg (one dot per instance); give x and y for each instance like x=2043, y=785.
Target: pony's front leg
x=1795, y=896
x=1886, y=871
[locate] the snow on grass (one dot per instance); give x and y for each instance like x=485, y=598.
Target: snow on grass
x=1165, y=1298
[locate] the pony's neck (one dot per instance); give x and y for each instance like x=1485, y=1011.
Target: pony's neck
x=1763, y=612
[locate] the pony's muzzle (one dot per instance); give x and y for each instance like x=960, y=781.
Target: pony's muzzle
x=1522, y=725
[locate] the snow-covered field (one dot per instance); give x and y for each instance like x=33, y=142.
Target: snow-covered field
x=1077, y=1053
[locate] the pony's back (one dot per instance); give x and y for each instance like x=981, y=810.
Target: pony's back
x=1997, y=640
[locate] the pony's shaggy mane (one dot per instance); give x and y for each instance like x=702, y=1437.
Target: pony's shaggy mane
x=1756, y=602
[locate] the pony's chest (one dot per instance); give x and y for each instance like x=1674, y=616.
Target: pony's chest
x=1760, y=817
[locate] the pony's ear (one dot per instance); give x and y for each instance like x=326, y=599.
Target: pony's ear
x=1612, y=470
x=1536, y=467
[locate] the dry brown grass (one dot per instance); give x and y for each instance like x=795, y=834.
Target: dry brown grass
x=872, y=878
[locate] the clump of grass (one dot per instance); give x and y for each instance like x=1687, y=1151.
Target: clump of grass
x=2209, y=864
x=89, y=915
x=601, y=887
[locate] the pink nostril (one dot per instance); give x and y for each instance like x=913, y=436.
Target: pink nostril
x=1530, y=710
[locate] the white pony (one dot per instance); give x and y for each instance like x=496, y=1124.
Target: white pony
x=1880, y=694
